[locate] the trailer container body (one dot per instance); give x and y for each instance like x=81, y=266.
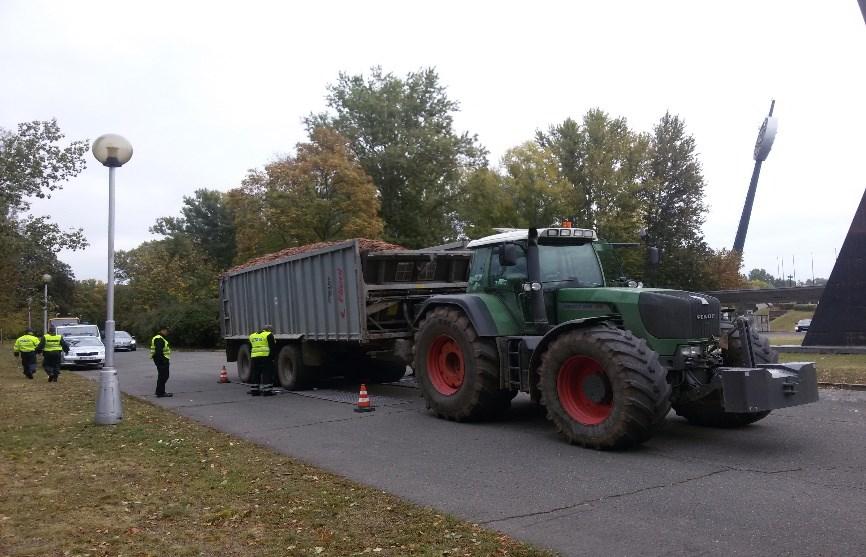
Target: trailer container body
x=336, y=306
x=314, y=296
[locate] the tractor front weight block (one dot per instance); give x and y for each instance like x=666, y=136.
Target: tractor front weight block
x=768, y=386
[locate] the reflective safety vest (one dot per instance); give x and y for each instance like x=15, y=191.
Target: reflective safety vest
x=52, y=343
x=259, y=341
x=26, y=343
x=166, y=350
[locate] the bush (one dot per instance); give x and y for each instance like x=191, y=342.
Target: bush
x=193, y=325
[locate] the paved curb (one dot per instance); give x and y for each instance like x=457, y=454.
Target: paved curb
x=846, y=386
x=796, y=349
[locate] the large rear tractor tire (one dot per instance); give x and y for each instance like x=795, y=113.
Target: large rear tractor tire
x=245, y=366
x=603, y=388
x=292, y=374
x=457, y=372
x=708, y=412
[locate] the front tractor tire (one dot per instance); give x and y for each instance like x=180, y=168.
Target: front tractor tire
x=603, y=387
x=709, y=412
x=456, y=370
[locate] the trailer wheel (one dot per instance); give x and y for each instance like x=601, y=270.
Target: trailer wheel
x=457, y=372
x=245, y=367
x=603, y=387
x=708, y=412
x=292, y=374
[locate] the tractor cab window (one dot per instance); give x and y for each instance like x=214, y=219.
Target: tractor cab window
x=478, y=268
x=570, y=265
x=503, y=276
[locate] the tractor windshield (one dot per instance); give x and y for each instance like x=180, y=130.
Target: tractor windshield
x=574, y=265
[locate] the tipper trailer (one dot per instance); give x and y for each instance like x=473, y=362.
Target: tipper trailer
x=523, y=310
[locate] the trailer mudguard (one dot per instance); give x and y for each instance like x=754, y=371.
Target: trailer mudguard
x=768, y=386
x=488, y=314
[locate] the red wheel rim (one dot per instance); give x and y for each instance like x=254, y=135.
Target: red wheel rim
x=445, y=365
x=584, y=390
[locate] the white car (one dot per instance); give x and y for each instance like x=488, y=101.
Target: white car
x=85, y=346
x=84, y=351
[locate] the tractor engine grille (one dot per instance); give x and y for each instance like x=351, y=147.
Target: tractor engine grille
x=678, y=314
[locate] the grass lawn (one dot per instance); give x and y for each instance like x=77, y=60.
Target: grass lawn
x=162, y=485
x=785, y=323
x=781, y=340
x=834, y=368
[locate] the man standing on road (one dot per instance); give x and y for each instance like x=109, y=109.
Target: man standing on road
x=262, y=348
x=160, y=352
x=26, y=345
x=50, y=346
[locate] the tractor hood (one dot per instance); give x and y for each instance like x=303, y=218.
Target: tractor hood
x=660, y=313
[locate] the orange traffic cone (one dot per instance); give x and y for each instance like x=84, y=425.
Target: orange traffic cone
x=224, y=376
x=364, y=401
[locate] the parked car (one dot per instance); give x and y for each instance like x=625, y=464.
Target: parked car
x=802, y=325
x=84, y=351
x=123, y=341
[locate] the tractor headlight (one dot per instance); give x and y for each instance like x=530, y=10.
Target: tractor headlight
x=690, y=351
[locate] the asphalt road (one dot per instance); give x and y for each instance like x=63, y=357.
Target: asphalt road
x=793, y=484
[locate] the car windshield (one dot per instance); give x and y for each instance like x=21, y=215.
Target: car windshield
x=79, y=331
x=84, y=341
x=122, y=335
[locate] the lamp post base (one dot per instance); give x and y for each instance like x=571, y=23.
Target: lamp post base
x=108, y=408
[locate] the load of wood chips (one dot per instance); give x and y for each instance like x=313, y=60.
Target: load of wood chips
x=365, y=245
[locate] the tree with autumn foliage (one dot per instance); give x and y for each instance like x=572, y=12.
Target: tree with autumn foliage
x=401, y=130
x=321, y=193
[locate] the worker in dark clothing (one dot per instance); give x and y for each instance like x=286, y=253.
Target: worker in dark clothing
x=160, y=352
x=262, y=350
x=25, y=346
x=50, y=346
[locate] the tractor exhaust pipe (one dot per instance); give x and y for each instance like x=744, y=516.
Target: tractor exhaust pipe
x=536, y=293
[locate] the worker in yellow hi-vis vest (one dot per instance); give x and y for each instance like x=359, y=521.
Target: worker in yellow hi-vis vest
x=50, y=346
x=25, y=346
x=160, y=353
x=262, y=350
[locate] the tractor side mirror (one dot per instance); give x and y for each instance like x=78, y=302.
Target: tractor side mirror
x=508, y=255
x=653, y=255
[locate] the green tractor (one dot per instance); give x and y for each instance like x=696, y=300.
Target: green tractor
x=607, y=363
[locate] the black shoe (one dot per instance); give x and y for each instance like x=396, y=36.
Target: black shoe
x=255, y=392
x=28, y=375
x=268, y=392
x=164, y=395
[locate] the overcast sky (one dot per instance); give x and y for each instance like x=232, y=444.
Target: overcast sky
x=207, y=90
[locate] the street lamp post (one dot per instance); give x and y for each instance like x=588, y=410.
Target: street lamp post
x=46, y=278
x=112, y=151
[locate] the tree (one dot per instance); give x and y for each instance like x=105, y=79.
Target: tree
x=33, y=164
x=321, y=194
x=485, y=205
x=602, y=161
x=401, y=131
x=533, y=186
x=208, y=221
x=762, y=275
x=169, y=282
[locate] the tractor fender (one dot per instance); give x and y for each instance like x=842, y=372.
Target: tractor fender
x=473, y=306
x=555, y=332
